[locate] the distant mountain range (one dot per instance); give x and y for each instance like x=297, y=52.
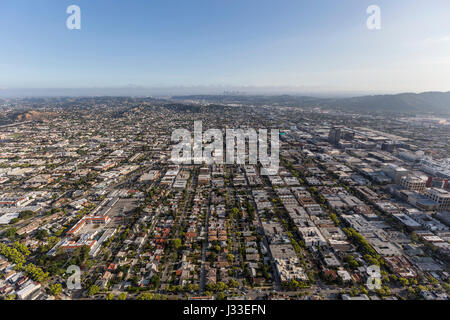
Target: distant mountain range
x=405, y=103
x=427, y=102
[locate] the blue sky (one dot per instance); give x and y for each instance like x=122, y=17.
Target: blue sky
x=306, y=45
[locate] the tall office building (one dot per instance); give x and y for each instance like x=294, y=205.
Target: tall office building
x=335, y=135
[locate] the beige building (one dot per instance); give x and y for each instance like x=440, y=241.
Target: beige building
x=413, y=183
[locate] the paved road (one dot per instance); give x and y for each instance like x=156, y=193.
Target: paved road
x=205, y=246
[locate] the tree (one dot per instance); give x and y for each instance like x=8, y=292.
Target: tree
x=363, y=290
x=123, y=296
x=155, y=281
x=150, y=296
x=93, y=290
x=11, y=233
x=296, y=246
x=359, y=240
x=26, y=214
x=371, y=260
x=11, y=296
x=35, y=273
x=176, y=243
x=13, y=255
x=353, y=264
x=56, y=289
x=212, y=257
x=220, y=286
x=85, y=252
x=411, y=291
x=233, y=283
x=221, y=296
x=335, y=219
x=41, y=234
x=384, y=291
x=110, y=296
x=21, y=248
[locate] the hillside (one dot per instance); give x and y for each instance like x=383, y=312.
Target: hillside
x=427, y=102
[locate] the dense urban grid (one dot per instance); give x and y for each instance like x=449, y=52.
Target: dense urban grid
x=88, y=184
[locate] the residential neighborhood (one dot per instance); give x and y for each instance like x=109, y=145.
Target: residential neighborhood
x=89, y=190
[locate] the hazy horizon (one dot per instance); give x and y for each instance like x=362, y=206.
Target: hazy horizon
x=138, y=91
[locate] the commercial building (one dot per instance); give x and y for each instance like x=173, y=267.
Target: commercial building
x=441, y=196
x=395, y=172
x=413, y=183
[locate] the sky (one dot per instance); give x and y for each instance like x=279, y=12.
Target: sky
x=285, y=45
